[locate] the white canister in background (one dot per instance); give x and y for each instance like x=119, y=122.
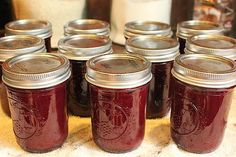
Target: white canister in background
x=58, y=12
x=123, y=11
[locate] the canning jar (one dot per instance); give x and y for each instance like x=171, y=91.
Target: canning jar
x=87, y=26
x=36, y=91
x=39, y=28
x=11, y=46
x=118, y=85
x=161, y=52
x=137, y=28
x=212, y=44
x=78, y=49
x=203, y=89
x=187, y=29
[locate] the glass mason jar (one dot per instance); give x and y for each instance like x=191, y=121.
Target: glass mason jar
x=36, y=91
x=161, y=52
x=187, y=29
x=87, y=26
x=137, y=28
x=212, y=44
x=204, y=86
x=11, y=46
x=118, y=85
x=78, y=49
x=39, y=28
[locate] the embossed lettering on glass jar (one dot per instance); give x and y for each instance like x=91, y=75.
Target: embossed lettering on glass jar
x=161, y=52
x=202, y=97
x=212, y=44
x=187, y=29
x=118, y=85
x=36, y=90
x=39, y=28
x=11, y=46
x=137, y=28
x=87, y=26
x=78, y=49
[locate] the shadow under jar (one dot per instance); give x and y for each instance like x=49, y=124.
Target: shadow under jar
x=39, y=28
x=161, y=52
x=87, y=26
x=118, y=85
x=212, y=44
x=78, y=49
x=15, y=45
x=36, y=91
x=187, y=29
x=202, y=97
x=137, y=28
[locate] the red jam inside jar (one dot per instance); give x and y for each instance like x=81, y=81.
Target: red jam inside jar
x=39, y=28
x=118, y=104
x=201, y=101
x=160, y=51
x=37, y=100
x=190, y=28
x=78, y=49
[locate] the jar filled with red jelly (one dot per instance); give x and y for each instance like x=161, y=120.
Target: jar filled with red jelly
x=212, y=44
x=190, y=28
x=11, y=46
x=78, y=49
x=161, y=52
x=39, y=28
x=118, y=85
x=203, y=88
x=36, y=91
x=137, y=28
x=87, y=26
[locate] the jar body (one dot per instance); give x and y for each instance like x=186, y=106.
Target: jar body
x=40, y=120
x=78, y=95
x=199, y=116
x=182, y=43
x=48, y=44
x=118, y=117
x=159, y=99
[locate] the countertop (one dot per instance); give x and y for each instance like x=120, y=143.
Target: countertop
x=157, y=140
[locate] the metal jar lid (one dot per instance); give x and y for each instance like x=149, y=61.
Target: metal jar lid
x=40, y=28
x=87, y=26
x=36, y=71
x=83, y=47
x=205, y=70
x=14, y=45
x=154, y=48
x=137, y=28
x=187, y=29
x=118, y=71
x=212, y=44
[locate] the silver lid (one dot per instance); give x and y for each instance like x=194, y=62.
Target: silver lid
x=34, y=71
x=212, y=44
x=118, y=71
x=136, y=28
x=83, y=47
x=87, y=26
x=154, y=48
x=40, y=28
x=187, y=29
x=205, y=70
x=14, y=45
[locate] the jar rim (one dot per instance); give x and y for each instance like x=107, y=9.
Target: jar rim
x=118, y=71
x=35, y=71
x=205, y=70
x=40, y=28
